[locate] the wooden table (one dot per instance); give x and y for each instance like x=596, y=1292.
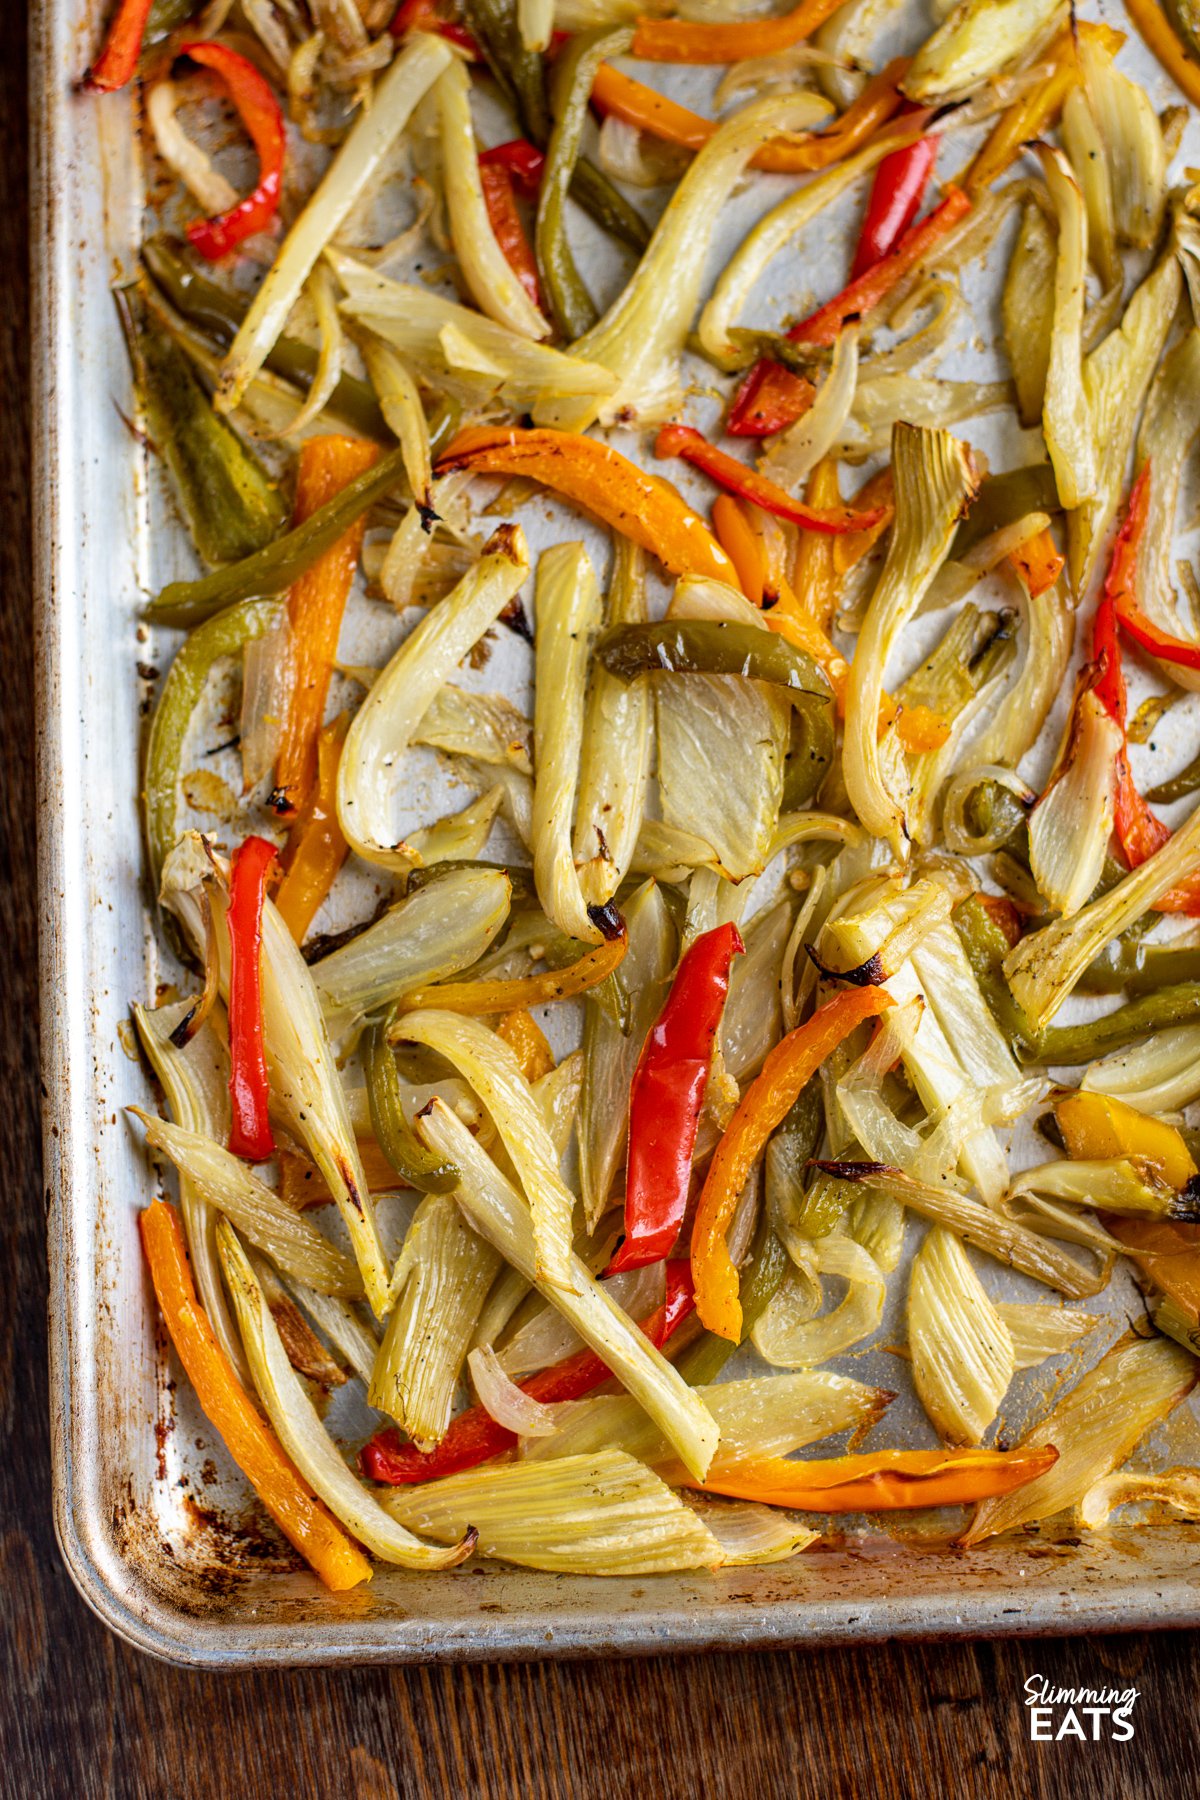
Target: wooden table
x=81, y=1715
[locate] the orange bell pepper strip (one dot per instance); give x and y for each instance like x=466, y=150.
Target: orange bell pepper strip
x=315, y=849
x=760, y=1110
x=483, y=997
x=1168, y=1255
x=781, y=610
x=885, y=1481
x=526, y=1039
x=1038, y=561
x=620, y=95
x=316, y=603
x=847, y=551
x=1033, y=114
x=872, y=288
x=118, y=60
x=1160, y=37
x=686, y=442
x=250, y=1441
x=645, y=508
x=680, y=41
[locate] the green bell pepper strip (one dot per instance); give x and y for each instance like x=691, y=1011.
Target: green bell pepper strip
x=1179, y=1005
x=1130, y=966
x=709, y=647
x=1002, y=500
x=226, y=635
x=809, y=756
x=278, y=565
x=702, y=1362
x=520, y=75
x=570, y=96
x=789, y=1153
x=986, y=947
x=165, y=16
x=1186, y=782
x=416, y=1166
x=231, y=505
x=218, y=311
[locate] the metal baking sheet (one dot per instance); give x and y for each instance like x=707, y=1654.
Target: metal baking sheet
x=160, y=1536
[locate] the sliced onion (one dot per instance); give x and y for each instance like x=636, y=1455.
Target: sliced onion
x=500, y=1397
x=790, y=1339
x=637, y=158
x=267, y=677
x=796, y=452
x=183, y=157
x=549, y=1338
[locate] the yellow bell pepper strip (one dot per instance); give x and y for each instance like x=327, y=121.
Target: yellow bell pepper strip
x=316, y=602
x=761, y=1109
x=884, y=1481
x=814, y=572
x=1096, y=1127
x=483, y=997
x=1033, y=114
x=250, y=1441
x=686, y=442
x=871, y=288
x=1160, y=37
x=920, y=729
x=621, y=96
x=315, y=849
x=681, y=41
x=526, y=1039
x=645, y=508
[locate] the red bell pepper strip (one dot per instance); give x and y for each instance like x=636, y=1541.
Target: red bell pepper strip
x=262, y=115
x=896, y=194
x=500, y=199
x=1137, y=828
x=748, y=484
x=117, y=62
x=249, y=1089
x=523, y=160
x=666, y=1096
x=769, y=399
x=870, y=289
x=421, y=15
x=1142, y=629
x=475, y=1437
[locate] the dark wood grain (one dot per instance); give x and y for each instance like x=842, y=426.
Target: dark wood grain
x=83, y=1716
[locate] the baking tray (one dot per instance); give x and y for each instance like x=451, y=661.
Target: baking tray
x=155, y=1529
